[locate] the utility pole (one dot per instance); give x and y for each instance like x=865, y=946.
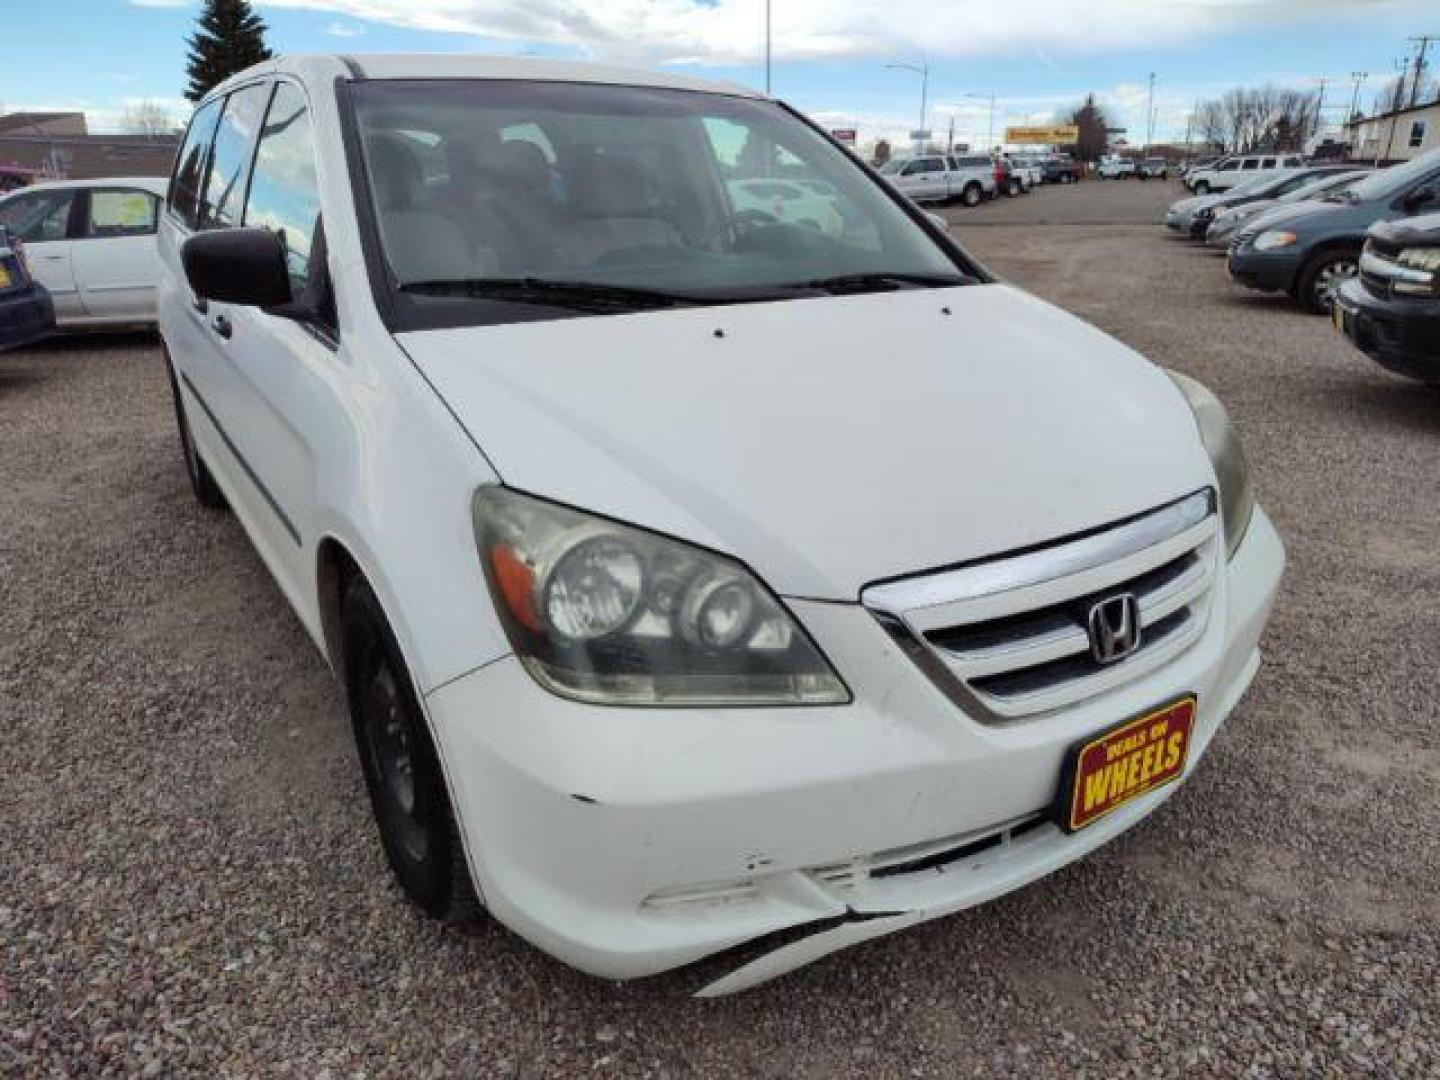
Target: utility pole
x=767, y=48
x=1359, y=77
x=990, y=127
x=1190, y=127
x=1150, y=115
x=1424, y=42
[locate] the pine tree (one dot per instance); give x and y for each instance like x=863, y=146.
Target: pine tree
x=229, y=37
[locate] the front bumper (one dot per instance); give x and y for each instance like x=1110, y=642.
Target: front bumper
x=1262, y=270
x=630, y=841
x=1400, y=334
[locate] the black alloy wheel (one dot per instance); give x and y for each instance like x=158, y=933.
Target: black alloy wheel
x=402, y=771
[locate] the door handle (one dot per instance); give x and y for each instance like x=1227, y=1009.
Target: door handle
x=221, y=325
x=200, y=304
x=53, y=258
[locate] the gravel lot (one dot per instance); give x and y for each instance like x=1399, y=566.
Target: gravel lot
x=190, y=883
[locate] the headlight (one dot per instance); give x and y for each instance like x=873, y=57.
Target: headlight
x=1421, y=276
x=1237, y=494
x=609, y=614
x=1275, y=238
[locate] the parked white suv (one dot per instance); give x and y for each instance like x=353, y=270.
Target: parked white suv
x=675, y=605
x=943, y=177
x=91, y=243
x=1226, y=173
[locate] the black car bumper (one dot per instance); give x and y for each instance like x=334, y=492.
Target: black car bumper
x=1402, y=335
x=1262, y=270
x=26, y=317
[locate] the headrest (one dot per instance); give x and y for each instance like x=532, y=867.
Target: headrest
x=520, y=165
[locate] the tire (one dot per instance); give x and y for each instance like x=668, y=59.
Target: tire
x=402, y=771
x=1012, y=189
x=202, y=483
x=1202, y=188
x=972, y=194
x=1321, y=275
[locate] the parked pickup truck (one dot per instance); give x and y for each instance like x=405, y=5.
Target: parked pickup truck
x=1028, y=169
x=1114, y=168
x=942, y=177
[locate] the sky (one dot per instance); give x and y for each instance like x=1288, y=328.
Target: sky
x=830, y=57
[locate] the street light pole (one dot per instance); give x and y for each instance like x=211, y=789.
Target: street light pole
x=1150, y=115
x=923, y=70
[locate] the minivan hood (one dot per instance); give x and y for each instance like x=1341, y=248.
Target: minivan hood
x=828, y=442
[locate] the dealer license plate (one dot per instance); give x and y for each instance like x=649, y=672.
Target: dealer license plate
x=1137, y=757
x=4, y=276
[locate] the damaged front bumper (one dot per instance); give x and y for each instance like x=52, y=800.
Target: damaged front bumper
x=628, y=842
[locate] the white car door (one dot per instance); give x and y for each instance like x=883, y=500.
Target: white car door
x=42, y=219
x=115, y=261
x=276, y=372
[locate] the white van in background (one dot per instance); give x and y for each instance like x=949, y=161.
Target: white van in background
x=1237, y=169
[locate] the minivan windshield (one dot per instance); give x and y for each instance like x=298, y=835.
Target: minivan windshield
x=505, y=200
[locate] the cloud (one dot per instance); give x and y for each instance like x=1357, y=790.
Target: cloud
x=344, y=30
x=731, y=31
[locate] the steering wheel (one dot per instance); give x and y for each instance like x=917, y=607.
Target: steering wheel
x=743, y=222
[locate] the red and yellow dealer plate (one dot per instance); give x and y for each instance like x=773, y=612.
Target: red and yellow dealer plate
x=1128, y=761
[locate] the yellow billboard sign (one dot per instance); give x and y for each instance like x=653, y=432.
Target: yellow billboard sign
x=1056, y=134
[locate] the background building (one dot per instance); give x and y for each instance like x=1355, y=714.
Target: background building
x=58, y=146
x=1395, y=136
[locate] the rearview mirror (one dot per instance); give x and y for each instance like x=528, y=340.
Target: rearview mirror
x=939, y=222
x=1422, y=196
x=237, y=266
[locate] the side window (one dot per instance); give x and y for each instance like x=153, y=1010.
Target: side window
x=1417, y=134
x=220, y=204
x=1250, y=164
x=1293, y=162
x=913, y=168
x=1229, y=166
x=1268, y=163
x=284, y=191
x=190, y=162
x=119, y=212
x=38, y=216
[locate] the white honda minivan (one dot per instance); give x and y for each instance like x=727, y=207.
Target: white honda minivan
x=696, y=578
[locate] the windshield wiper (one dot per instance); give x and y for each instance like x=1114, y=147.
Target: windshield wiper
x=582, y=295
x=877, y=281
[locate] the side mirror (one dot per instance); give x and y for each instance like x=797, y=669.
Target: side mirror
x=939, y=222
x=1421, y=196
x=237, y=266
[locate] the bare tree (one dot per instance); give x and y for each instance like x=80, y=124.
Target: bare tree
x=147, y=118
x=1268, y=117
x=882, y=151
x=1395, y=94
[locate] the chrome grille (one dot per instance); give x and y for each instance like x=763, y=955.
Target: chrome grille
x=1007, y=638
